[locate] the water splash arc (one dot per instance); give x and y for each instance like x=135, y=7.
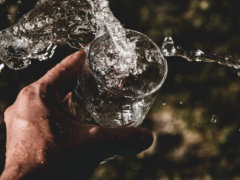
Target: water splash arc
x=169, y=50
x=77, y=23
x=51, y=23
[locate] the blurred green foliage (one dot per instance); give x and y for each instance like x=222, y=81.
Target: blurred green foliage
x=188, y=144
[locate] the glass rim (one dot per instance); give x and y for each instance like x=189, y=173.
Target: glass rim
x=111, y=90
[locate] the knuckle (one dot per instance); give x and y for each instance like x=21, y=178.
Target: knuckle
x=35, y=90
x=43, y=87
x=8, y=111
x=28, y=92
x=34, y=93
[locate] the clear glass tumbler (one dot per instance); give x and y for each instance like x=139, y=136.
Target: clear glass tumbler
x=128, y=101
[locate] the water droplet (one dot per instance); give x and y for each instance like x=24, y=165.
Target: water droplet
x=181, y=102
x=178, y=47
x=9, y=16
x=169, y=40
x=226, y=58
x=199, y=53
x=214, y=119
x=164, y=103
x=1, y=67
x=19, y=2
x=168, y=47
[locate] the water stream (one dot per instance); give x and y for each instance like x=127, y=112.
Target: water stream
x=77, y=23
x=169, y=49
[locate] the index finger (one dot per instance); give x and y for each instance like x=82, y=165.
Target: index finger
x=66, y=71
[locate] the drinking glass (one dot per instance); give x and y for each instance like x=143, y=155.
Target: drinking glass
x=110, y=98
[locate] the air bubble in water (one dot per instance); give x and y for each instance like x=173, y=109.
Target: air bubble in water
x=214, y=119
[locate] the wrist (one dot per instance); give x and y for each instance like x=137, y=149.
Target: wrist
x=12, y=172
x=17, y=169
x=24, y=172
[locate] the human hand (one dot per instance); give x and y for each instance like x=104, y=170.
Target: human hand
x=44, y=141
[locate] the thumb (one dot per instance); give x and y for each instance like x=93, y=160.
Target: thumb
x=66, y=71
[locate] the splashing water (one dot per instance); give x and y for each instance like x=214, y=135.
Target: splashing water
x=74, y=22
x=169, y=49
x=120, y=54
x=77, y=23
x=37, y=34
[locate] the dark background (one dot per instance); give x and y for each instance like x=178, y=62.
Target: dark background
x=188, y=145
